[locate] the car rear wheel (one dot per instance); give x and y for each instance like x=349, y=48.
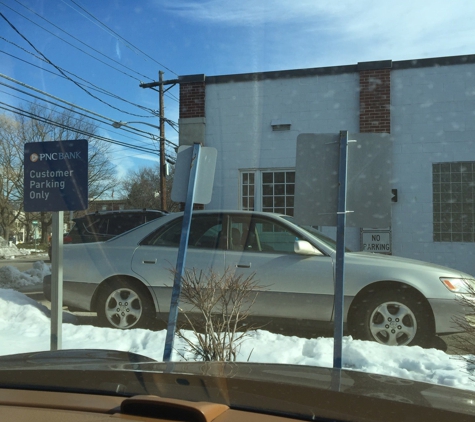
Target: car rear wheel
x=394, y=317
x=124, y=305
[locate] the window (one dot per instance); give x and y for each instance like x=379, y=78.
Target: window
x=247, y=200
x=454, y=201
x=267, y=190
x=206, y=232
x=260, y=235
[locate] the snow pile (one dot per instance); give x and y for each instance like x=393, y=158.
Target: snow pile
x=25, y=327
x=25, y=322
x=12, y=278
x=8, y=250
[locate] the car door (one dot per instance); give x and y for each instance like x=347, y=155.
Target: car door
x=293, y=285
x=155, y=258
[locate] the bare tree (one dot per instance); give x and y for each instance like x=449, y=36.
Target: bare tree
x=141, y=188
x=11, y=175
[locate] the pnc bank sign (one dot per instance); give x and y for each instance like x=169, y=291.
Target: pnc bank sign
x=56, y=176
x=54, y=156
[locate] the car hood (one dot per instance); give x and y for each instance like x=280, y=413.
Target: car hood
x=275, y=388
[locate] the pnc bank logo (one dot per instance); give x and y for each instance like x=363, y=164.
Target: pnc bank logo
x=55, y=156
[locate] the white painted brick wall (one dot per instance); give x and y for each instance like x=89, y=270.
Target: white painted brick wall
x=432, y=120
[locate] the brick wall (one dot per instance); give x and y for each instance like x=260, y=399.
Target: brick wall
x=375, y=100
x=192, y=99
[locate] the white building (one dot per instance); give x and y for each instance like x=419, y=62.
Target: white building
x=427, y=105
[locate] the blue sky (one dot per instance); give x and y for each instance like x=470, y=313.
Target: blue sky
x=214, y=37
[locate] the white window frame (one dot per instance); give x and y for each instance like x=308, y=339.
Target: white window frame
x=258, y=179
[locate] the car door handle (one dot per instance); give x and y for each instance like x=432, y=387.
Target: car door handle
x=243, y=265
x=149, y=262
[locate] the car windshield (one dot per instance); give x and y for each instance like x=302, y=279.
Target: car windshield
x=313, y=231
x=256, y=183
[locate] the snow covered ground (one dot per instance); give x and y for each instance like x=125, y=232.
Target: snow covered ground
x=25, y=327
x=9, y=249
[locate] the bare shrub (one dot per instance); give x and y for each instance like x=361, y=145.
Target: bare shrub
x=464, y=343
x=220, y=305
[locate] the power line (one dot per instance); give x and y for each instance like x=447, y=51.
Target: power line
x=111, y=31
x=89, y=84
x=58, y=105
x=33, y=116
x=77, y=39
x=73, y=107
x=57, y=68
x=129, y=128
x=42, y=119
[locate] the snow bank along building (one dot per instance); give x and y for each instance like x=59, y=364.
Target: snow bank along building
x=427, y=105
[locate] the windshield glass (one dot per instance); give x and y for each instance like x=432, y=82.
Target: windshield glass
x=314, y=232
x=245, y=123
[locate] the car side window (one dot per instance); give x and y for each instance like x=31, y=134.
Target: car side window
x=121, y=223
x=260, y=235
x=93, y=225
x=206, y=232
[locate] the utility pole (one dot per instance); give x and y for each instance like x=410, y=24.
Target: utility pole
x=163, y=172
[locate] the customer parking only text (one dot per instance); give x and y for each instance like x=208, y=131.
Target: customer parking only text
x=42, y=181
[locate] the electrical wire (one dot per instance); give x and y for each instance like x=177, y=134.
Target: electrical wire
x=64, y=108
x=28, y=114
x=77, y=39
x=90, y=85
x=41, y=119
x=56, y=67
x=127, y=128
x=128, y=44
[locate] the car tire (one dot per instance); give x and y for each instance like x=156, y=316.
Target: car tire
x=125, y=305
x=396, y=317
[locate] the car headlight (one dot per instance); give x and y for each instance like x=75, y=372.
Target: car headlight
x=459, y=285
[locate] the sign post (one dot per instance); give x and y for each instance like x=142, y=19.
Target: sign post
x=56, y=180
x=329, y=181
x=194, y=175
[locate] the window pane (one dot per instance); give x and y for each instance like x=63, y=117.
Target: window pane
x=267, y=177
x=453, y=202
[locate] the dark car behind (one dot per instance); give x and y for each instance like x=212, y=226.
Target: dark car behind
x=104, y=225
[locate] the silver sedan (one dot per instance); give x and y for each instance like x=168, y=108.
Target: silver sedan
x=394, y=301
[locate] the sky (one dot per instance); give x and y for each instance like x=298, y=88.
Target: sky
x=110, y=47
x=25, y=327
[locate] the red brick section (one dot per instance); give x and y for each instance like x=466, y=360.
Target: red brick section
x=375, y=100
x=192, y=100
x=192, y=104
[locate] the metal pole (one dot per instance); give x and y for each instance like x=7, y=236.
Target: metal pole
x=340, y=251
x=181, y=259
x=57, y=281
x=163, y=173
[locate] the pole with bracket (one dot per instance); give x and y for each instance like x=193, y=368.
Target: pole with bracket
x=181, y=259
x=340, y=254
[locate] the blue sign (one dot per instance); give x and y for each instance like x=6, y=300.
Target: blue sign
x=56, y=176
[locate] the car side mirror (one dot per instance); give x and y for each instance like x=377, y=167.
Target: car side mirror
x=302, y=247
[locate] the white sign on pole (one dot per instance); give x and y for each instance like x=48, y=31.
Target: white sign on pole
x=204, y=178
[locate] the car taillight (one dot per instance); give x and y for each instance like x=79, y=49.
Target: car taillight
x=67, y=239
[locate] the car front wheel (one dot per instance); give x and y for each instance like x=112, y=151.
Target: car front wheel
x=125, y=305
x=394, y=318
